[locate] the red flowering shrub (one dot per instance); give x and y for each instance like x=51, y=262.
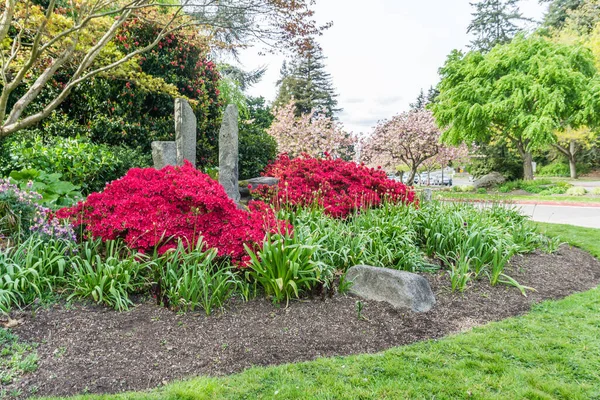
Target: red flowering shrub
x=339, y=186
x=151, y=208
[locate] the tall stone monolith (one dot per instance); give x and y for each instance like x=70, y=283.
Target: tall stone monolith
x=185, y=132
x=228, y=153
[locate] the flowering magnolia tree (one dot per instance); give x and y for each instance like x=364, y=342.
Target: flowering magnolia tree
x=314, y=134
x=409, y=138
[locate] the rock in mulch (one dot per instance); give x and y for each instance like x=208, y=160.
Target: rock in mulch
x=401, y=289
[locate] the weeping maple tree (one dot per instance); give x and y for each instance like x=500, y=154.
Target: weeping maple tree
x=524, y=91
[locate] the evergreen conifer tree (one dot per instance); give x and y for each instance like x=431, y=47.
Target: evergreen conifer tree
x=306, y=81
x=494, y=22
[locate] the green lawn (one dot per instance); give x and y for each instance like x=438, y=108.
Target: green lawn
x=551, y=353
x=509, y=197
x=585, y=238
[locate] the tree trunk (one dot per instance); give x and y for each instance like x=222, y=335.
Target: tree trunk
x=570, y=153
x=411, y=177
x=527, y=159
x=527, y=166
x=572, y=166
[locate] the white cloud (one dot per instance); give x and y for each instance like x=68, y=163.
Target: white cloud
x=381, y=53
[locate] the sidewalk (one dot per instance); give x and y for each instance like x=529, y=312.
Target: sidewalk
x=562, y=214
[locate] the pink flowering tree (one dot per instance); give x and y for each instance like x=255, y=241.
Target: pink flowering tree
x=314, y=134
x=409, y=138
x=445, y=155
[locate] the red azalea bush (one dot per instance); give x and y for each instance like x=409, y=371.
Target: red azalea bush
x=151, y=208
x=339, y=186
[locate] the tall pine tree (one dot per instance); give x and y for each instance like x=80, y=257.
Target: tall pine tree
x=494, y=22
x=558, y=12
x=306, y=81
x=423, y=100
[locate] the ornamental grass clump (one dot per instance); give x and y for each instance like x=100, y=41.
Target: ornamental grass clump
x=186, y=279
x=286, y=266
x=339, y=187
x=32, y=270
x=153, y=209
x=107, y=272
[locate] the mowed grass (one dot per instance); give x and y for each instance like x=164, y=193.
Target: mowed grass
x=553, y=352
x=498, y=197
x=584, y=238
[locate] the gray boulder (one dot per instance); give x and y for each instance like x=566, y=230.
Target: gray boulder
x=254, y=182
x=401, y=289
x=490, y=180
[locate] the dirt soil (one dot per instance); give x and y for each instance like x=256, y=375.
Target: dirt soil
x=97, y=350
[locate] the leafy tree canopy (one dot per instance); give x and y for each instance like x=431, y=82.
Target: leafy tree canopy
x=526, y=91
x=44, y=39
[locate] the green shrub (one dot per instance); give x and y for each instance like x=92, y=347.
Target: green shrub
x=481, y=191
x=561, y=168
x=257, y=149
x=80, y=162
x=596, y=191
x=576, y=191
x=187, y=279
x=533, y=186
x=285, y=266
x=496, y=157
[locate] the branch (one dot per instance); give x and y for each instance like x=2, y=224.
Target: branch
x=562, y=149
x=6, y=19
x=15, y=125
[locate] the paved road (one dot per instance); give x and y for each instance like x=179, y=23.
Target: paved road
x=580, y=216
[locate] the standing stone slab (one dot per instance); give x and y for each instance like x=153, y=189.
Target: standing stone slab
x=228, y=153
x=401, y=289
x=163, y=154
x=185, y=132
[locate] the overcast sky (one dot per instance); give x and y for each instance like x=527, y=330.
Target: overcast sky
x=380, y=53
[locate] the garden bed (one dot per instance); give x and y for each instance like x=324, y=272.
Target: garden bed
x=88, y=348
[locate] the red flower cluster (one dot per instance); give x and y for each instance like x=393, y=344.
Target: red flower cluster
x=151, y=208
x=341, y=187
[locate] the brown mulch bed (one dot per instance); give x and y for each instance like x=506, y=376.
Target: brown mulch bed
x=95, y=349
